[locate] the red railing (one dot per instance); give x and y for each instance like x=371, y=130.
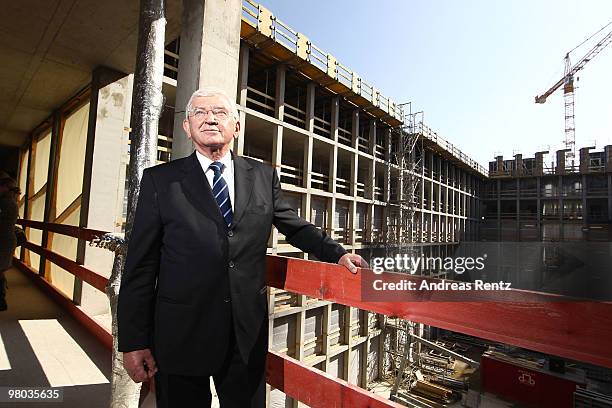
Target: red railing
x=578, y=330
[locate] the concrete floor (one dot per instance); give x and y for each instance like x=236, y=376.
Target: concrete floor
x=42, y=346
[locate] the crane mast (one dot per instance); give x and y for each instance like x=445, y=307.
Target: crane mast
x=568, y=90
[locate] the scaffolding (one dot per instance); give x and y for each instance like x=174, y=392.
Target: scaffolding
x=401, y=353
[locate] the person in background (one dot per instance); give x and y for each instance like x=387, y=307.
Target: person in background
x=9, y=193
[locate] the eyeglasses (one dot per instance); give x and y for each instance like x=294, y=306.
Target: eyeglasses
x=199, y=113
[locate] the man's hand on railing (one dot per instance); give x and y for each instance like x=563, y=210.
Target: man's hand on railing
x=139, y=364
x=352, y=261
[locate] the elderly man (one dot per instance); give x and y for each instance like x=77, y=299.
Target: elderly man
x=193, y=295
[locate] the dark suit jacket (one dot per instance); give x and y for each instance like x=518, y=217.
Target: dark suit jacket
x=188, y=276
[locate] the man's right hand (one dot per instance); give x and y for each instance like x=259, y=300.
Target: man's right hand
x=139, y=364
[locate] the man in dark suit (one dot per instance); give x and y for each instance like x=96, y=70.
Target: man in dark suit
x=193, y=298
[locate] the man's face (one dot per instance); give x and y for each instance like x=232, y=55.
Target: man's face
x=211, y=124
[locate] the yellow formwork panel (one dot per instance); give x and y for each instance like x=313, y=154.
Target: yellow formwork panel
x=356, y=83
x=265, y=21
x=303, y=47
x=332, y=71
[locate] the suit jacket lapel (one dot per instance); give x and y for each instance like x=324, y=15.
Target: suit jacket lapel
x=243, y=186
x=198, y=190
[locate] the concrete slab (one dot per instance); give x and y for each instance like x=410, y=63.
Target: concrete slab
x=25, y=368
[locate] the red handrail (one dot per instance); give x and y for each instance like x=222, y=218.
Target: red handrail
x=547, y=323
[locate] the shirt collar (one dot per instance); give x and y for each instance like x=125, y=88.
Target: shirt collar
x=205, y=161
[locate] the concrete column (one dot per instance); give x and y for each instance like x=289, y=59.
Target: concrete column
x=583, y=195
x=372, y=135
x=355, y=156
x=609, y=198
x=325, y=329
x=560, y=201
x=539, y=208
x=279, y=110
x=368, y=233
x=279, y=107
x=243, y=77
x=310, y=106
x=209, y=56
x=499, y=226
x=371, y=181
x=333, y=160
x=518, y=205
x=348, y=340
x=277, y=140
x=387, y=182
x=372, y=164
x=355, y=130
x=352, y=236
x=363, y=369
x=308, y=150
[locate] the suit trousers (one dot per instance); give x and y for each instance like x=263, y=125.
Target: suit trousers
x=238, y=384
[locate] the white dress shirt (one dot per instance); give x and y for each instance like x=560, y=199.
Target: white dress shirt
x=227, y=174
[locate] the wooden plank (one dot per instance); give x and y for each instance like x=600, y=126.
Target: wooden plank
x=316, y=388
x=552, y=324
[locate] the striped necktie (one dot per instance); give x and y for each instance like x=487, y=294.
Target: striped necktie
x=221, y=192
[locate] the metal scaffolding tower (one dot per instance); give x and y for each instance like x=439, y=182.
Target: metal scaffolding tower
x=402, y=237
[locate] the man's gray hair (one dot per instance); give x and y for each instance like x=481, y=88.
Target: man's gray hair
x=212, y=91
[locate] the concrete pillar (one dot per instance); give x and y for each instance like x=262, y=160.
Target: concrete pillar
x=560, y=199
x=372, y=136
x=243, y=77
x=308, y=150
x=539, y=208
x=499, y=164
x=583, y=195
x=371, y=181
x=355, y=130
x=306, y=175
x=609, y=198
x=608, y=158
x=310, y=106
x=352, y=224
x=209, y=56
x=518, y=207
x=355, y=155
x=279, y=107
x=561, y=161
x=348, y=340
x=333, y=160
x=277, y=140
x=499, y=225
x=518, y=164
x=539, y=164
x=584, y=160
x=371, y=163
x=387, y=180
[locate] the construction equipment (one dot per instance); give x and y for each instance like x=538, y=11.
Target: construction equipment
x=568, y=88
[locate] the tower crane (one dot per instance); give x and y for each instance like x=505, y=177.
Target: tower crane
x=568, y=88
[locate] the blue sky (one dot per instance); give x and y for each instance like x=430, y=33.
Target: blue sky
x=473, y=66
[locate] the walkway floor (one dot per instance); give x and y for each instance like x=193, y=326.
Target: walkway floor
x=42, y=346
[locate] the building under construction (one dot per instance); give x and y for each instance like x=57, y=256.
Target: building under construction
x=363, y=168
x=533, y=199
